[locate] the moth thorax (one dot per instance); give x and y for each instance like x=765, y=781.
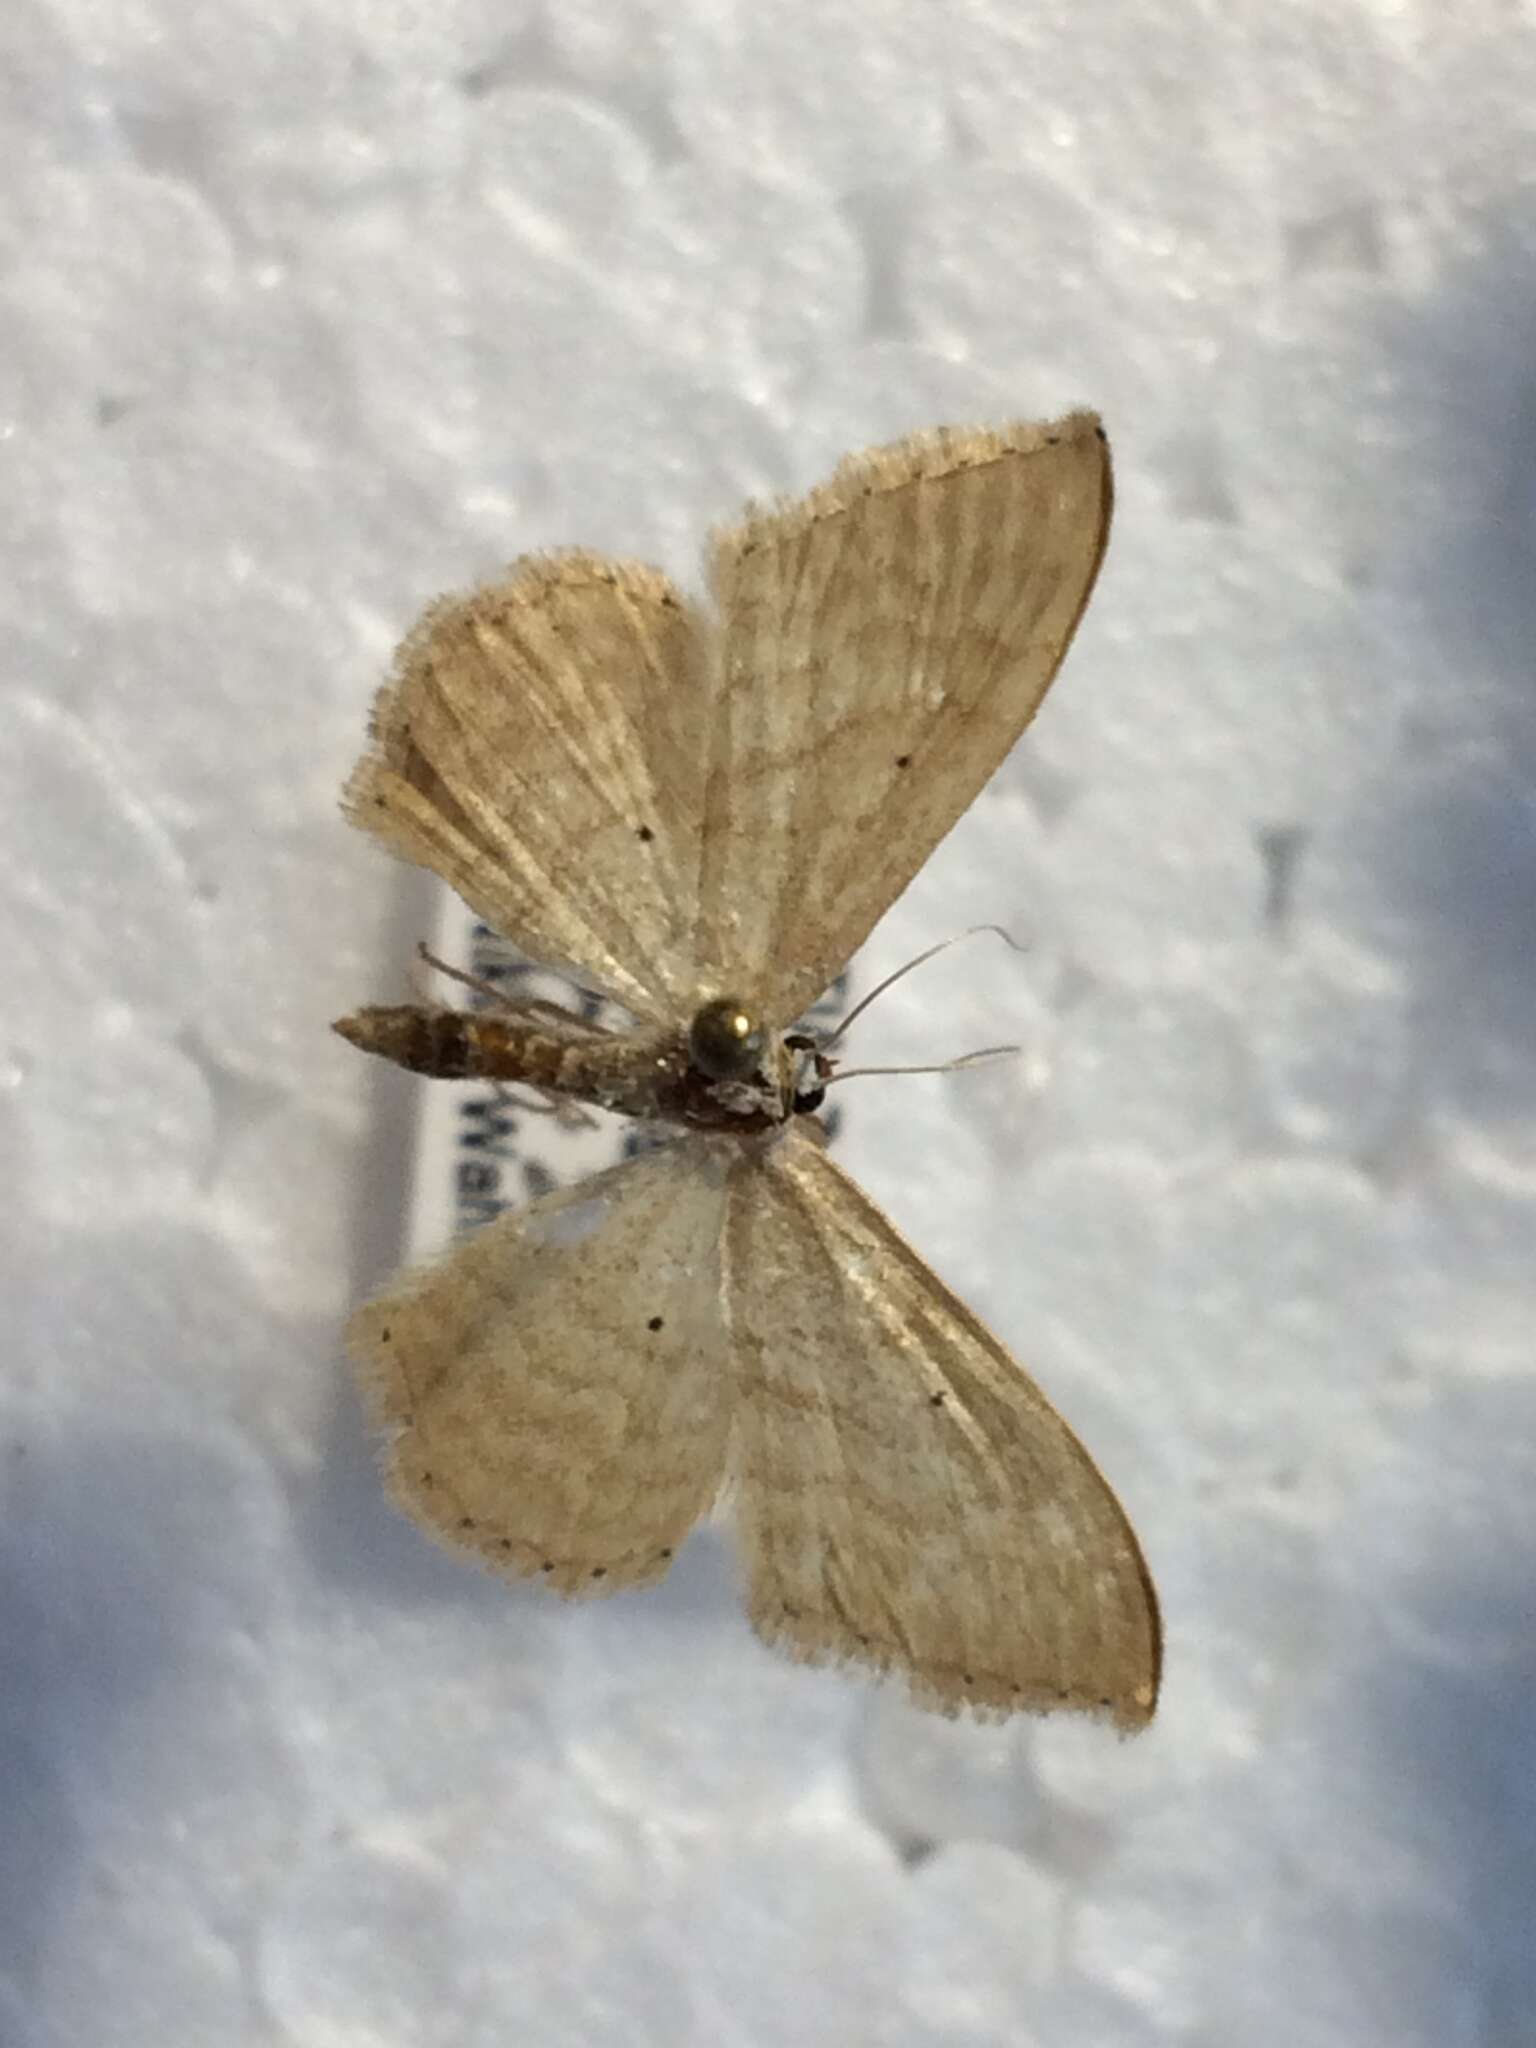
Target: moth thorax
x=726, y=1041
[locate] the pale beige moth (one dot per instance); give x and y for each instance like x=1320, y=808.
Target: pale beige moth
x=700, y=812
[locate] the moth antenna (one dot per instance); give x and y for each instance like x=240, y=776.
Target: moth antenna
x=890, y=980
x=981, y=1057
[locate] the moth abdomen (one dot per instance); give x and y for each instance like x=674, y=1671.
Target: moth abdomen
x=435, y=1042
x=633, y=1076
x=470, y=1045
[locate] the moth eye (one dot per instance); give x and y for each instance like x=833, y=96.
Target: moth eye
x=725, y=1041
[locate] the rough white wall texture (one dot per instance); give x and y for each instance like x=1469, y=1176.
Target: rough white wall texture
x=311, y=310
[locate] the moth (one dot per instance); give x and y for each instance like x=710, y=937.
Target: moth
x=700, y=812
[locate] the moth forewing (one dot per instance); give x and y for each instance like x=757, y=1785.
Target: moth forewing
x=885, y=640
x=907, y=1497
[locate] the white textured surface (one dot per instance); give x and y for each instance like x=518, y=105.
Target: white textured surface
x=311, y=311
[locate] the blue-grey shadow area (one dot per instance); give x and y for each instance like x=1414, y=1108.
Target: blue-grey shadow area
x=40, y=1835
x=95, y=1620
x=1450, y=843
x=1451, y=836
x=1448, y=1745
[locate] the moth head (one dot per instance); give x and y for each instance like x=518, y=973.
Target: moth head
x=726, y=1040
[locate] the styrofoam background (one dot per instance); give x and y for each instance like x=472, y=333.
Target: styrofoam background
x=310, y=311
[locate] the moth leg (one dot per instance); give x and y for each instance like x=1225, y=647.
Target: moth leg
x=570, y=1115
x=487, y=989
x=499, y=999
